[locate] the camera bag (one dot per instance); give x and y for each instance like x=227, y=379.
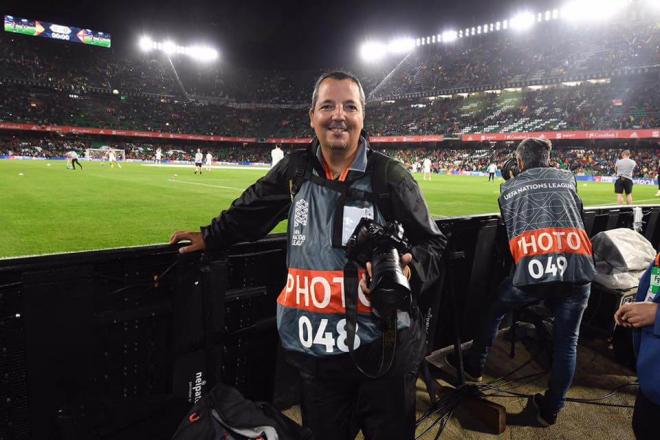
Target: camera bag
x=224, y=414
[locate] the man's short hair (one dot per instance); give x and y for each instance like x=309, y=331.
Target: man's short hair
x=625, y=153
x=534, y=152
x=338, y=75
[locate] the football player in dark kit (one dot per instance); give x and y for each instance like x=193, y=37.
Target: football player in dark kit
x=553, y=262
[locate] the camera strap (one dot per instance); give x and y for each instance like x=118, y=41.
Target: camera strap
x=380, y=167
x=388, y=340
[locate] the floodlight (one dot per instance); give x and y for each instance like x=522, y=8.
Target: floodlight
x=449, y=36
x=653, y=4
x=202, y=53
x=592, y=10
x=498, y=25
x=418, y=42
x=168, y=47
x=372, y=51
x=548, y=15
x=522, y=21
x=433, y=39
x=485, y=29
x=478, y=29
x=146, y=44
x=401, y=46
x=555, y=14
x=505, y=24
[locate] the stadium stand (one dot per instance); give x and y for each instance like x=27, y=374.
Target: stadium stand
x=580, y=160
x=555, y=51
x=622, y=103
x=587, y=77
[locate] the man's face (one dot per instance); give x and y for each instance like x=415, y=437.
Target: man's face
x=338, y=117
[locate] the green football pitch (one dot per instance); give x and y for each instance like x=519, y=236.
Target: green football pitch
x=45, y=208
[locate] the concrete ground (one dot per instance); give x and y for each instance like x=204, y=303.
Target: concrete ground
x=597, y=375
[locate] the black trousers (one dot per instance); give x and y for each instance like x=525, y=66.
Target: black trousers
x=338, y=406
x=646, y=418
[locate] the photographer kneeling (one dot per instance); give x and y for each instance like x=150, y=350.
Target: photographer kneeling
x=552, y=252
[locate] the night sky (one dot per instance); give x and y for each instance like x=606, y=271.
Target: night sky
x=269, y=34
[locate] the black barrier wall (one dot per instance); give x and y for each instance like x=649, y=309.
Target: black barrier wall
x=117, y=344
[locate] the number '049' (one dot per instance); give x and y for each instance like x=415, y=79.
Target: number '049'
x=552, y=267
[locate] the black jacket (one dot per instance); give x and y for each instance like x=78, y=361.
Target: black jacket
x=266, y=202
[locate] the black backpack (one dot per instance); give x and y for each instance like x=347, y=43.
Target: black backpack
x=224, y=414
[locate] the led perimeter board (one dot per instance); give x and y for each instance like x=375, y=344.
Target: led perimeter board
x=72, y=34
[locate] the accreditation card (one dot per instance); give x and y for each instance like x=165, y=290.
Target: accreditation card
x=654, y=285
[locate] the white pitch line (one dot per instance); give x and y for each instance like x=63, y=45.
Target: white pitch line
x=214, y=167
x=206, y=184
x=635, y=202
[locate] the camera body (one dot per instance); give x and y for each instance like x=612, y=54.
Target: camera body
x=510, y=169
x=383, y=245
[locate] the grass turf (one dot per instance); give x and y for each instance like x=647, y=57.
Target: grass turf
x=45, y=208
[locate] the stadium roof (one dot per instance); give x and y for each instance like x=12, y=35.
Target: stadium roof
x=270, y=34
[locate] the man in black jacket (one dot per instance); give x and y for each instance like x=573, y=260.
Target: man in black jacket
x=324, y=192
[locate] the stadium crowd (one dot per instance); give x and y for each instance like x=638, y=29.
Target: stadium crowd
x=49, y=83
x=580, y=160
x=64, y=84
x=557, y=50
x=554, y=50
x=75, y=69
x=631, y=102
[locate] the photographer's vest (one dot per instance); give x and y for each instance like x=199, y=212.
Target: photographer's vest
x=542, y=213
x=311, y=309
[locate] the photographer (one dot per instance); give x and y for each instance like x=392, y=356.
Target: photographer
x=325, y=191
x=552, y=252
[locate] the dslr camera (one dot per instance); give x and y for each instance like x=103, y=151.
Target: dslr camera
x=510, y=168
x=382, y=245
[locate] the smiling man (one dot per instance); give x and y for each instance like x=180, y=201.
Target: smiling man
x=324, y=191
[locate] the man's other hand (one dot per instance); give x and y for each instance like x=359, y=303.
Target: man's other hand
x=636, y=315
x=195, y=238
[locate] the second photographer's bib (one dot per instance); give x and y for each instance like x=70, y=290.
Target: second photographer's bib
x=542, y=213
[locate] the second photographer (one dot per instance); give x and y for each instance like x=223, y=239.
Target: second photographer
x=552, y=253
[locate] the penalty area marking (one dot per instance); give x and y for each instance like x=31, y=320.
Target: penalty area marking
x=206, y=184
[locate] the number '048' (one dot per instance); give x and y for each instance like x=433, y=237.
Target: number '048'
x=323, y=337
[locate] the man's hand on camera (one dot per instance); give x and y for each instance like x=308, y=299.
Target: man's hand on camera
x=405, y=261
x=195, y=238
x=636, y=315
